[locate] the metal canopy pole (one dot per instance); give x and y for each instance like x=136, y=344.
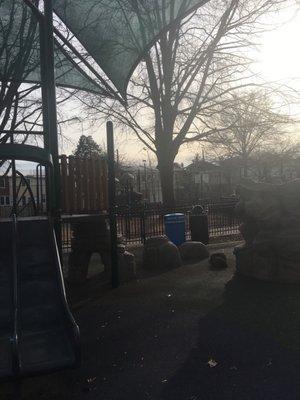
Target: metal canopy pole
x=50, y=113
x=112, y=205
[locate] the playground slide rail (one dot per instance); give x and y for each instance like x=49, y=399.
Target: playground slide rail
x=20, y=366
x=16, y=362
x=71, y=323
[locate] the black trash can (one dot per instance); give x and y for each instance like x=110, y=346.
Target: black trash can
x=199, y=225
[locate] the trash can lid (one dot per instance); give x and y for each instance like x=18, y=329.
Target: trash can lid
x=174, y=217
x=197, y=210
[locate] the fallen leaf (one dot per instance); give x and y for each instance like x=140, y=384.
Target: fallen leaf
x=212, y=363
x=91, y=380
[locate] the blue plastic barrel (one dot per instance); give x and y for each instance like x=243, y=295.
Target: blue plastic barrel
x=175, y=227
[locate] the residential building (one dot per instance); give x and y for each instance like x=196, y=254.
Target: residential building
x=27, y=190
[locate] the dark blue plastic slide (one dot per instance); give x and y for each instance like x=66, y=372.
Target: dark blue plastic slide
x=37, y=331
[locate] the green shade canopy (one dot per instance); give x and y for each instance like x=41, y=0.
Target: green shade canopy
x=20, y=51
x=115, y=33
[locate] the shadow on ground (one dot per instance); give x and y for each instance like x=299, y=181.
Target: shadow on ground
x=187, y=334
x=248, y=348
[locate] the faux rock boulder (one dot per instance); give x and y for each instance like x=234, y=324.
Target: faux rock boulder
x=127, y=267
x=89, y=235
x=160, y=254
x=193, y=251
x=218, y=261
x=271, y=229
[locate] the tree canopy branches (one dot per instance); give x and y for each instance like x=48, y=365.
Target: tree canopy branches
x=188, y=78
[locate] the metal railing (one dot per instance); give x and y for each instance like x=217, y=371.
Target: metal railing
x=136, y=224
x=222, y=220
x=16, y=362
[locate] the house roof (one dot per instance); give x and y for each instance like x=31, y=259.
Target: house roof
x=202, y=165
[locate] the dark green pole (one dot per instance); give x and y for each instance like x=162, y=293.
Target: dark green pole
x=14, y=181
x=50, y=113
x=112, y=205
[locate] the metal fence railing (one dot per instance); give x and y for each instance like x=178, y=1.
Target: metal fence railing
x=66, y=235
x=141, y=223
x=136, y=224
x=222, y=220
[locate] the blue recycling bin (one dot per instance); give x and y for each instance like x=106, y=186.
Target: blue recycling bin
x=175, y=227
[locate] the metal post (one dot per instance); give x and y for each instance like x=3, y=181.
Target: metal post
x=142, y=225
x=139, y=181
x=13, y=181
x=50, y=113
x=201, y=185
x=145, y=177
x=112, y=205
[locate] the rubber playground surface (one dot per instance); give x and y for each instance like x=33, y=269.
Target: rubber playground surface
x=186, y=334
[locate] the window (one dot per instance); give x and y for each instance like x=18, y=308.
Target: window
x=7, y=200
x=2, y=183
x=2, y=201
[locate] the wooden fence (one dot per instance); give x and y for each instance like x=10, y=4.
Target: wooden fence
x=83, y=184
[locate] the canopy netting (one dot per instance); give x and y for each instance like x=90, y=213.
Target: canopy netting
x=115, y=33
x=20, y=50
x=118, y=32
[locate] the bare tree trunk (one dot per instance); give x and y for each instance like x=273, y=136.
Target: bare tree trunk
x=166, y=171
x=245, y=167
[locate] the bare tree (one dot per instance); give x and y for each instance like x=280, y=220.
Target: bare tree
x=281, y=156
x=252, y=124
x=21, y=107
x=186, y=78
x=18, y=111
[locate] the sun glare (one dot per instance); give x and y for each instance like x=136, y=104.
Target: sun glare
x=279, y=56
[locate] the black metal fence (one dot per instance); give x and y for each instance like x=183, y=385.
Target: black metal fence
x=222, y=220
x=137, y=224
x=140, y=223
x=66, y=234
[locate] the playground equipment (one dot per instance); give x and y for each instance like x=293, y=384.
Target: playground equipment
x=37, y=332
